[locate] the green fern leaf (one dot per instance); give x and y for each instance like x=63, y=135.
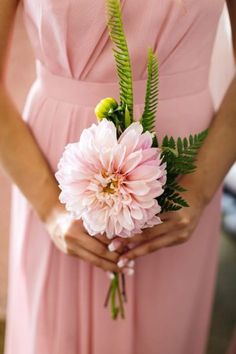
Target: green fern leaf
x=180, y=157
x=168, y=206
x=171, y=201
x=121, y=54
x=174, y=186
x=151, y=98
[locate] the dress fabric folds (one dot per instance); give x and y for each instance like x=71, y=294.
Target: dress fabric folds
x=55, y=303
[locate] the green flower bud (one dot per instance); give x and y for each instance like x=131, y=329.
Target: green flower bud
x=105, y=106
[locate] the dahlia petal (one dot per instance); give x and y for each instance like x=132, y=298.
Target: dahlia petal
x=119, y=153
x=153, y=222
x=136, y=213
x=118, y=228
x=131, y=161
x=145, y=173
x=97, y=219
x=110, y=230
x=106, y=135
x=144, y=203
x=134, y=127
x=106, y=159
x=137, y=187
x=145, y=141
x=130, y=141
x=149, y=154
x=125, y=219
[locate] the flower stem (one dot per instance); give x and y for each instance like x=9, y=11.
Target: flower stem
x=114, y=285
x=123, y=291
x=113, y=292
x=108, y=296
x=122, y=311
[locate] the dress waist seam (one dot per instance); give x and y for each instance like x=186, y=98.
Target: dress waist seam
x=87, y=93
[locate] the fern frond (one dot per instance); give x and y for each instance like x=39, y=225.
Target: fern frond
x=180, y=157
x=151, y=98
x=168, y=206
x=171, y=201
x=121, y=54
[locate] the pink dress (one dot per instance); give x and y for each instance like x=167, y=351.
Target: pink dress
x=55, y=303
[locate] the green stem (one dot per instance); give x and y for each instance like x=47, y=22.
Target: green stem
x=122, y=311
x=166, y=148
x=114, y=309
x=113, y=293
x=108, y=295
x=123, y=292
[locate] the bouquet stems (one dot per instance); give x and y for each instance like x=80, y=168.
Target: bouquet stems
x=115, y=293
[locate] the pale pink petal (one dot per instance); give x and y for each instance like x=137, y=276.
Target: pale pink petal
x=118, y=227
x=145, y=141
x=131, y=161
x=134, y=127
x=144, y=203
x=144, y=173
x=150, y=154
x=106, y=159
x=136, y=213
x=130, y=140
x=137, y=187
x=97, y=219
x=105, y=135
x=119, y=153
x=125, y=219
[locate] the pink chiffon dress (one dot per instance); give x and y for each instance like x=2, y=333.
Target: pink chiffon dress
x=55, y=303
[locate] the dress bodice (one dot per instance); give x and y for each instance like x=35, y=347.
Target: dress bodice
x=70, y=37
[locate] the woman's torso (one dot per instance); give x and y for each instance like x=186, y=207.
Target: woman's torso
x=71, y=39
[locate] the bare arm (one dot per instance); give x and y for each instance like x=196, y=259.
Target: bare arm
x=23, y=160
x=19, y=152
x=219, y=151
x=232, y=13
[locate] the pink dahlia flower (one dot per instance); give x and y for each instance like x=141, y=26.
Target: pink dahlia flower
x=112, y=183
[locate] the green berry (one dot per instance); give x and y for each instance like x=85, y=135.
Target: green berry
x=104, y=107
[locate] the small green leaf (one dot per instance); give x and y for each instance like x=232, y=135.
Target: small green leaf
x=151, y=98
x=127, y=117
x=121, y=54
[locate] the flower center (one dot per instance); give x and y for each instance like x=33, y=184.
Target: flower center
x=111, y=183
x=111, y=187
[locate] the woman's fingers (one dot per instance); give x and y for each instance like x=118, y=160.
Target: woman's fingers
x=172, y=238
x=77, y=234
x=103, y=239
x=76, y=250
x=155, y=231
x=91, y=244
x=71, y=247
x=148, y=234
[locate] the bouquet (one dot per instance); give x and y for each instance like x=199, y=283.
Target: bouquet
x=118, y=178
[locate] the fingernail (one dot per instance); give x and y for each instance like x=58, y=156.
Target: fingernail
x=129, y=271
x=110, y=275
x=131, y=245
x=131, y=263
x=114, y=245
x=122, y=262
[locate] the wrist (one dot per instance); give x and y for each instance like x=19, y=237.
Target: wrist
x=50, y=210
x=196, y=186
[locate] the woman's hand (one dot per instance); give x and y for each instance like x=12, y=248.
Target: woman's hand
x=71, y=238
x=177, y=228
